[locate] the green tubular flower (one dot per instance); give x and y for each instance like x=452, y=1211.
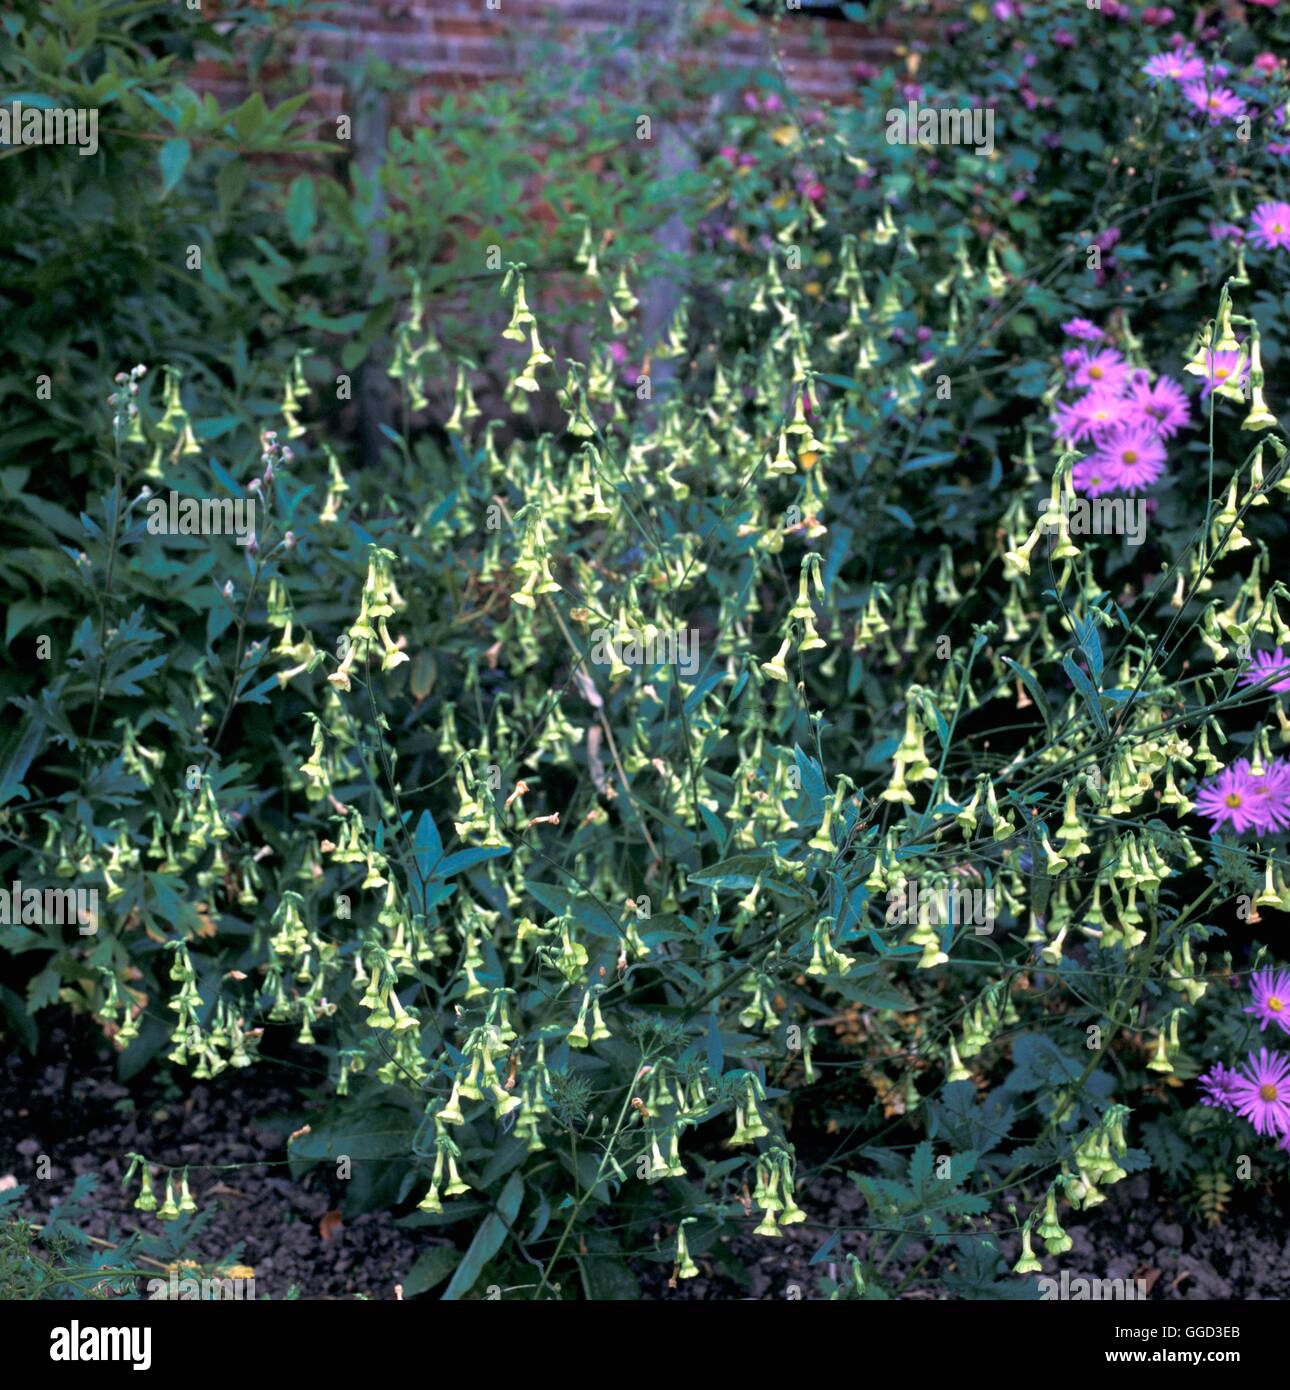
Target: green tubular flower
x=956, y=1070
x=764, y=1194
x=169, y=1210
x=1028, y=1263
x=1056, y=1241
x=577, y=1036
x=791, y=1213
x=685, y=1266
x=147, y=1199
x=768, y=1226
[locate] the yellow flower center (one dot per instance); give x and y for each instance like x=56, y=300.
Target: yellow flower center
x=1275, y=1004
x=1232, y=799
x=1222, y=372
x=1095, y=373
x=1268, y=1091
x=1130, y=456
x=1277, y=228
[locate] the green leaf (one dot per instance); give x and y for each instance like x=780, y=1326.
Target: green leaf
x=1034, y=689
x=426, y=845
x=174, y=158
x=468, y=858
x=301, y=210
x=739, y=871
x=1087, y=691
x=873, y=994
x=606, y=1279
x=378, y=1133
x=560, y=902
x=432, y=1267
x=18, y=756
x=21, y=1021
x=489, y=1239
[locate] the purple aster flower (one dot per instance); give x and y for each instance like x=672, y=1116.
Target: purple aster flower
x=1262, y=1092
x=1271, y=991
x=1132, y=457
x=1103, y=370
x=1218, y=103
x=1164, y=406
x=1083, y=330
x=1091, y=479
x=1217, y=1084
x=1225, y=231
x=1229, y=798
x=1265, y=664
x=1182, y=65
x=1270, y=797
x=1270, y=226
x=1092, y=413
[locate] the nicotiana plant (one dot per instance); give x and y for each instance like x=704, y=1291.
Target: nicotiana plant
x=585, y=924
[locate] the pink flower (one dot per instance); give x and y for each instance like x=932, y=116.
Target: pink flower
x=1218, y=103
x=1262, y=1093
x=1265, y=664
x=1164, y=406
x=1246, y=801
x=1083, y=330
x=1131, y=458
x=1271, y=991
x=1104, y=370
x=1218, y=1084
x=1267, y=62
x=1182, y=65
x=1228, y=798
x=1094, y=411
x=1091, y=479
x=1271, y=799
x=1270, y=226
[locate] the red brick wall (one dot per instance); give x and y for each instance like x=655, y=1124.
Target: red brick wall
x=444, y=45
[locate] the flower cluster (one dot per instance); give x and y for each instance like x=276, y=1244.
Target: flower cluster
x=1259, y=1091
x=1124, y=415
x=1200, y=83
x=1248, y=798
